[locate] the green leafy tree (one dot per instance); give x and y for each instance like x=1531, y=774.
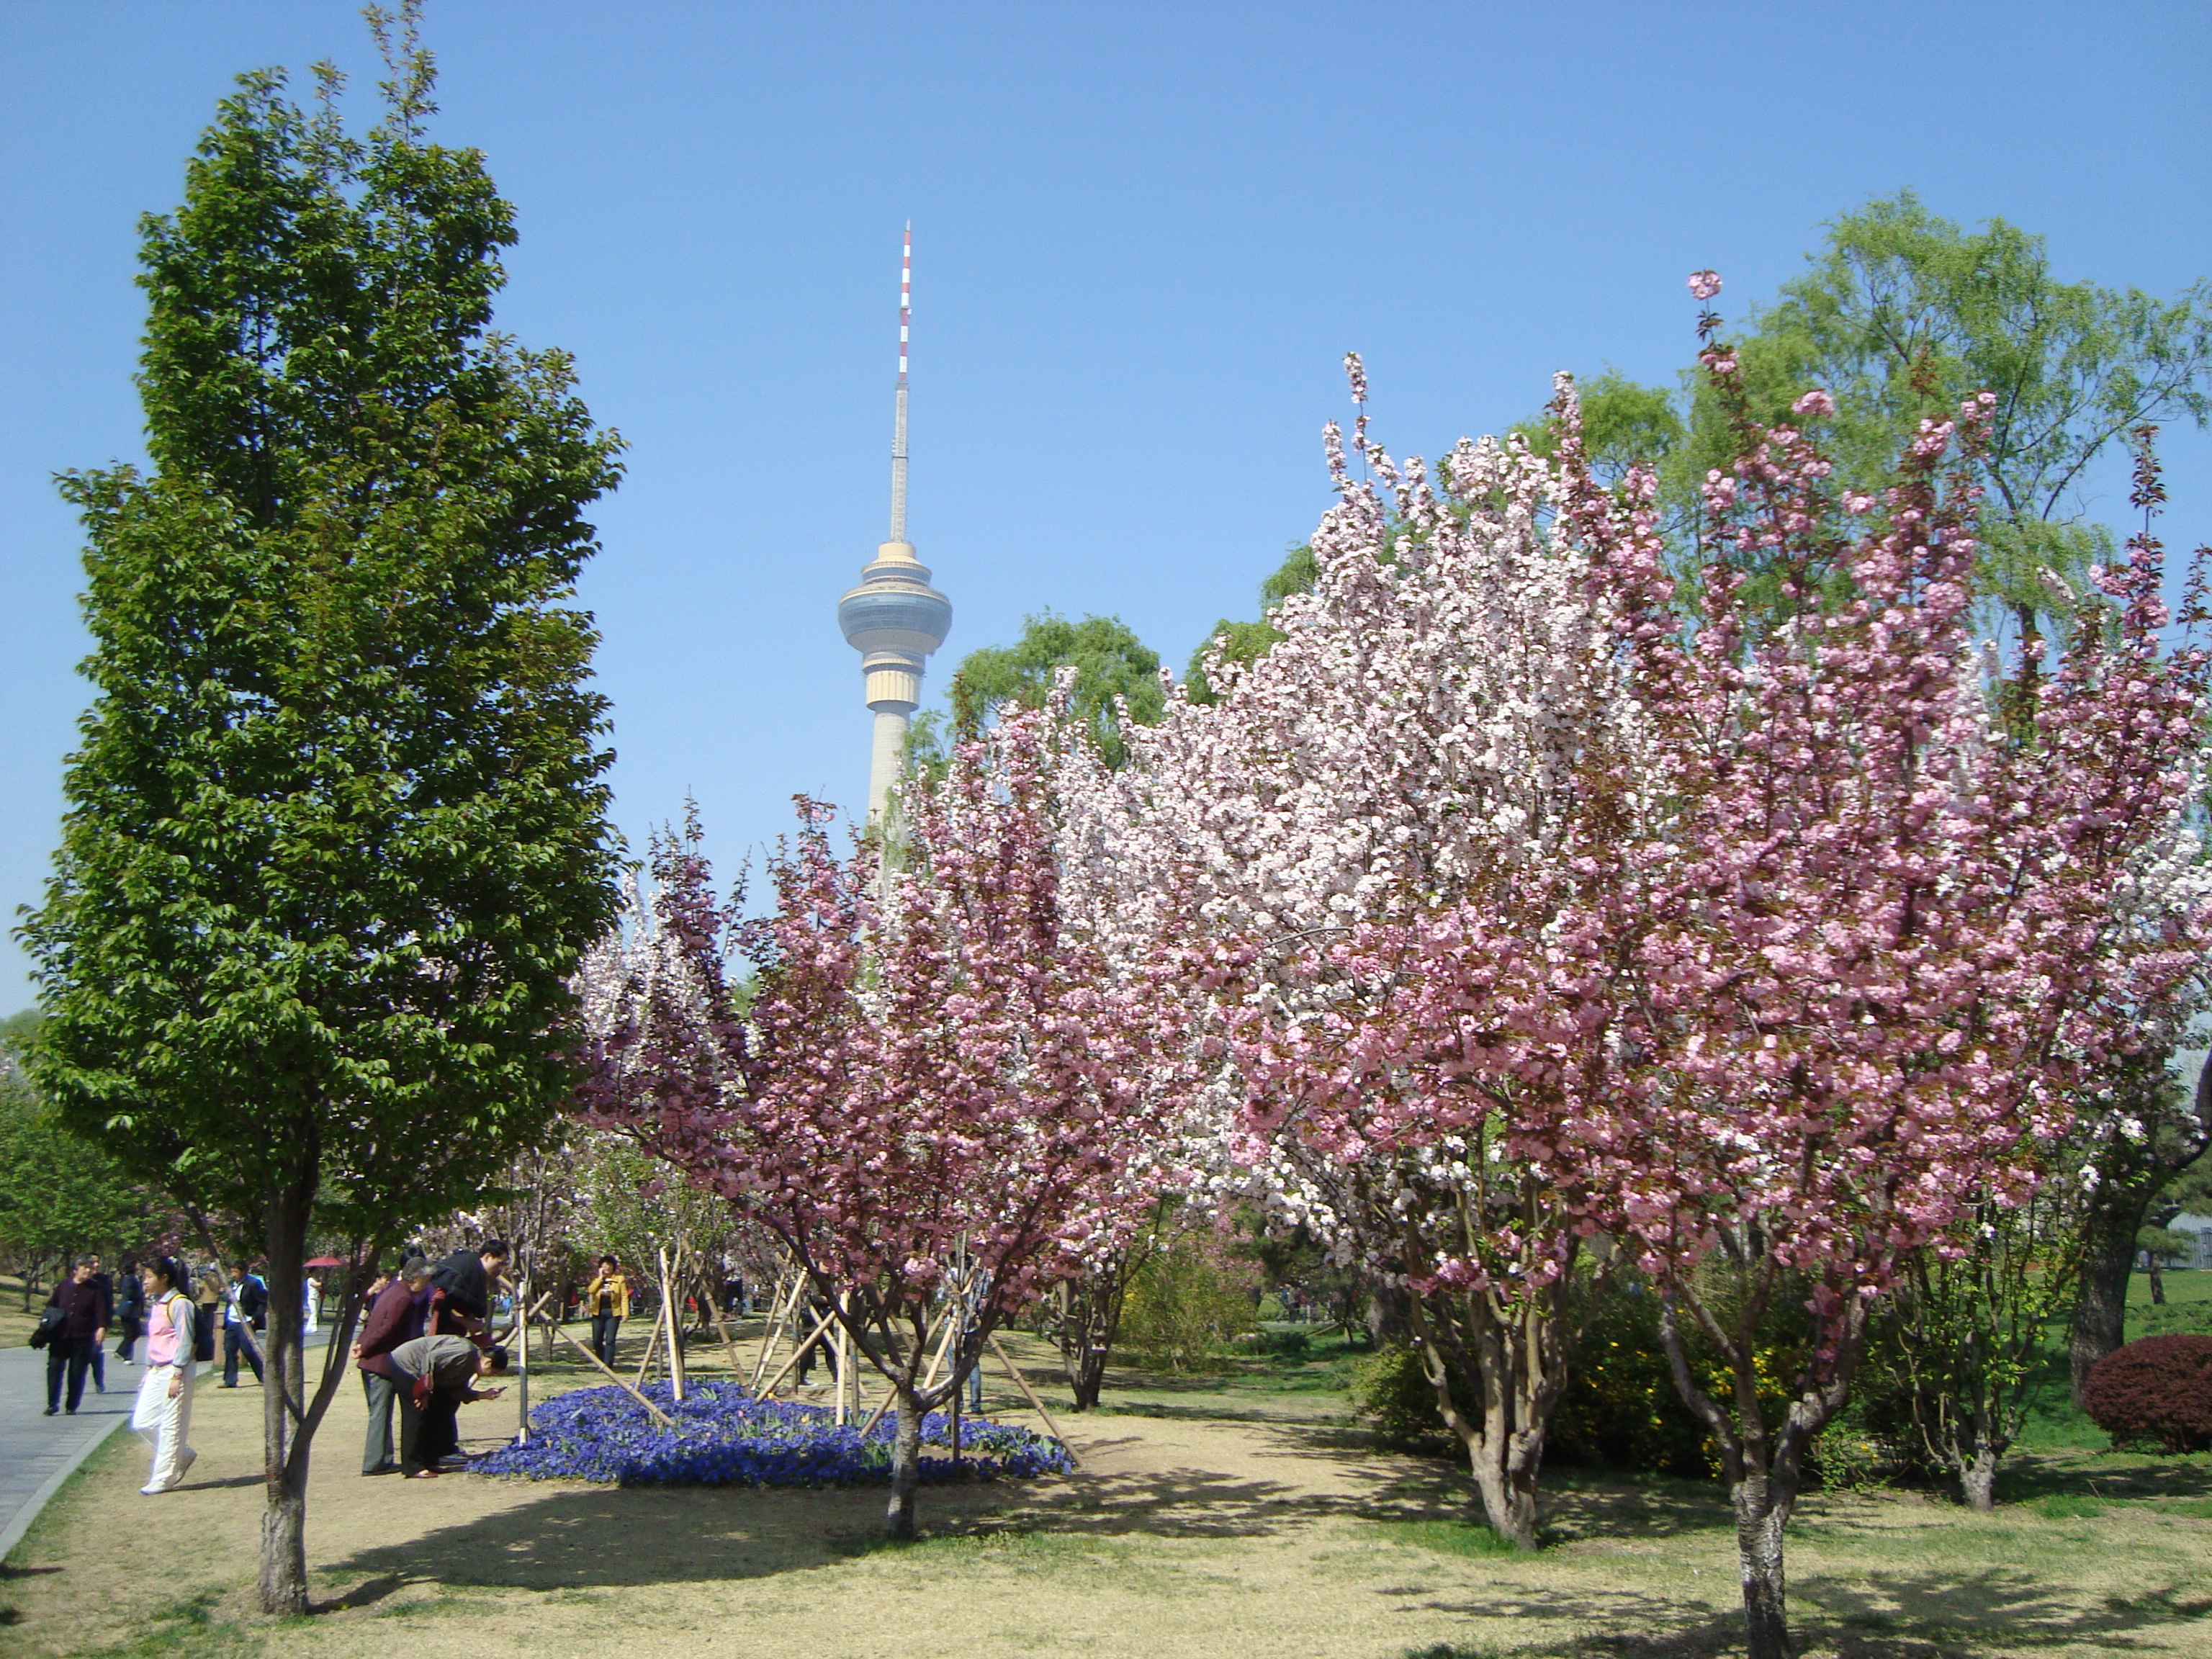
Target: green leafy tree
x=1624, y=424
x=1900, y=314
x=1241, y=643
x=1114, y=670
x=336, y=835
x=1964, y=1346
x=62, y=1193
x=1904, y=312
x=2189, y=1192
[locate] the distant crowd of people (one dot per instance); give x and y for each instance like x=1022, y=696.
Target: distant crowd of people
x=426, y=1344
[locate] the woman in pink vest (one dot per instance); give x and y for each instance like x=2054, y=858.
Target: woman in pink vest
x=164, y=1410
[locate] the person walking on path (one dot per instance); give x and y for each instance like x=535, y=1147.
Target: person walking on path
x=608, y=1298
x=84, y=1318
x=243, y=1303
x=431, y=1378
x=130, y=1306
x=163, y=1414
x=99, y=1348
x=398, y=1315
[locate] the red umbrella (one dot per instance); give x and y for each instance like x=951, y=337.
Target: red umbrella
x=325, y=1262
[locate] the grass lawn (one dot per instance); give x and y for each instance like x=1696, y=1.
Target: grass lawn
x=1241, y=1513
x=15, y=1325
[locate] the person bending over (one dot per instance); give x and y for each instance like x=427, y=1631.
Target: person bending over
x=431, y=1378
x=400, y=1313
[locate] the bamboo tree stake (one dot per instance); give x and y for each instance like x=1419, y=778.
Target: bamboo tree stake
x=714, y=1305
x=843, y=1350
x=1022, y=1383
x=821, y=1330
x=522, y=1367
x=943, y=1344
x=652, y=1347
x=781, y=1308
x=671, y=1322
x=658, y=1414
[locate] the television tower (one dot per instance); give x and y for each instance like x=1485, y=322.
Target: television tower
x=894, y=618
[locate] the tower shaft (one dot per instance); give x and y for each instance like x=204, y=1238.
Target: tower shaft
x=894, y=618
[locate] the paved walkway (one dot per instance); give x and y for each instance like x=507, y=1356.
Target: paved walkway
x=37, y=1452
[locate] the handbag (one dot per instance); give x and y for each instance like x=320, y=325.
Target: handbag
x=51, y=1321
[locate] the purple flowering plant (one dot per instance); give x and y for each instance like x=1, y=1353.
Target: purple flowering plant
x=723, y=1436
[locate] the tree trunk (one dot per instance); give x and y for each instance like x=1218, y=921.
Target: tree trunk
x=2153, y=1266
x=1088, y=1381
x=284, y=1466
x=1504, y=1435
x=2100, y=1312
x=906, y=1466
x=1087, y=1315
x=1977, y=1480
x=1509, y=1504
x=1758, y=1523
x=284, y=1549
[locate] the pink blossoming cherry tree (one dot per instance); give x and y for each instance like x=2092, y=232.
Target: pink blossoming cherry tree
x=1880, y=923
x=938, y=1063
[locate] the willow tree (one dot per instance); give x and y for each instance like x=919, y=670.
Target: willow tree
x=336, y=834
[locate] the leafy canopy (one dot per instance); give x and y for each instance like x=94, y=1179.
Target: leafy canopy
x=1902, y=314
x=1113, y=669
x=335, y=833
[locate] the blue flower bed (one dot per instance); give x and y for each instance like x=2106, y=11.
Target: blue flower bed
x=724, y=1436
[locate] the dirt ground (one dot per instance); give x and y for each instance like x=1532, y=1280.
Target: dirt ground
x=1205, y=1520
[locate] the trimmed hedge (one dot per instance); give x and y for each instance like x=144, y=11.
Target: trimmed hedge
x=2157, y=1390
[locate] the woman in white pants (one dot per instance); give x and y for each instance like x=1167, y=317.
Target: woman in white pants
x=164, y=1410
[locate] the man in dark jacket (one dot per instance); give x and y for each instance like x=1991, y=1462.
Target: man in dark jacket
x=99, y=1277
x=243, y=1306
x=462, y=1285
x=400, y=1314
x=85, y=1315
x=432, y=1378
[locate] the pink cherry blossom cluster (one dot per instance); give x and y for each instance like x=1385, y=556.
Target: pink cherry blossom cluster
x=1530, y=910
x=936, y=1065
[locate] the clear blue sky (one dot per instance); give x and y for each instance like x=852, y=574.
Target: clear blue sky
x=1144, y=235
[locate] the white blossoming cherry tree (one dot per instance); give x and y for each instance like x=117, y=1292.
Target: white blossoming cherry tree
x=1388, y=852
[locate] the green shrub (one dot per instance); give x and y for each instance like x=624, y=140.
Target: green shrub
x=1187, y=1303
x=1392, y=1394
x=1620, y=1409
x=1284, y=1345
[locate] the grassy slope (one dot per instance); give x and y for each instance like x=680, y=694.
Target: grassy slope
x=2053, y=1425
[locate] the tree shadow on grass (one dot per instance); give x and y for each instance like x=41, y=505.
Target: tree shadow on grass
x=2112, y=1477
x=1879, y=1616
x=625, y=1538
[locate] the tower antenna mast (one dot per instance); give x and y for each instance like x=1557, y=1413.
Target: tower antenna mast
x=898, y=418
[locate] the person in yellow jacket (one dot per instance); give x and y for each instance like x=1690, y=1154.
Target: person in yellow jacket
x=607, y=1297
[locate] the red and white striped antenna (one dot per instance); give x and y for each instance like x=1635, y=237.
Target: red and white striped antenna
x=898, y=423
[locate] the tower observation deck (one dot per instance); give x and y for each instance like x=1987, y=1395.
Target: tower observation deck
x=894, y=618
